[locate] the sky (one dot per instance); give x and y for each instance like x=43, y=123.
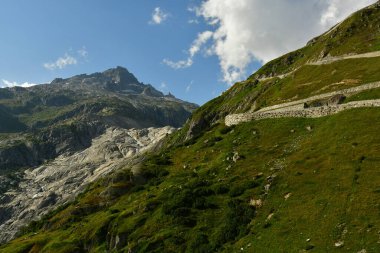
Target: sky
x=195, y=49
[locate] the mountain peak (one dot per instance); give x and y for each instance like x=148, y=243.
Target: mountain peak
x=117, y=79
x=120, y=75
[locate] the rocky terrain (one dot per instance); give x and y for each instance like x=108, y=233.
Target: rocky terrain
x=39, y=190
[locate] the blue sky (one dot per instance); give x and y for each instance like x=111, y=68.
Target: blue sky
x=45, y=39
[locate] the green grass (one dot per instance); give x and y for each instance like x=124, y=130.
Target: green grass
x=196, y=198
x=44, y=114
x=365, y=95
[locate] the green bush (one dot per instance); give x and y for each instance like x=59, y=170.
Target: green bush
x=238, y=216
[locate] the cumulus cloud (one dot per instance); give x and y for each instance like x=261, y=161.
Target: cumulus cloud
x=158, y=16
x=245, y=31
x=7, y=83
x=61, y=62
x=195, y=47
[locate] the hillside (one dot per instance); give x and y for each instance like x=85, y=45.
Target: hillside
x=284, y=184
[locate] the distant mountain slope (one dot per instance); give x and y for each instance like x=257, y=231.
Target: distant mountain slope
x=113, y=97
x=65, y=115
x=10, y=124
x=271, y=185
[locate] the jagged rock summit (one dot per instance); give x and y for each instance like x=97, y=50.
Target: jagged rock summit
x=118, y=80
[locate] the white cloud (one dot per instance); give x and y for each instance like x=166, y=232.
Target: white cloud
x=178, y=64
x=193, y=21
x=163, y=87
x=7, y=83
x=61, y=62
x=83, y=52
x=195, y=47
x=158, y=16
x=188, y=87
x=68, y=59
x=245, y=31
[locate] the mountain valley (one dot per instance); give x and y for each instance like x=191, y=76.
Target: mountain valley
x=285, y=161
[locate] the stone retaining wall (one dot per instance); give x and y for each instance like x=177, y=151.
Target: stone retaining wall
x=235, y=119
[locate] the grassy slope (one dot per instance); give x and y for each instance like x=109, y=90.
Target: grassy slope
x=196, y=198
x=335, y=186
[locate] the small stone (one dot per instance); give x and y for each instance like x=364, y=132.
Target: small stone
x=309, y=128
x=362, y=251
x=292, y=131
x=339, y=244
x=308, y=240
x=236, y=157
x=270, y=216
x=287, y=195
x=256, y=203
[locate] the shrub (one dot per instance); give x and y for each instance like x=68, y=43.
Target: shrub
x=225, y=130
x=220, y=189
x=238, y=216
x=199, y=244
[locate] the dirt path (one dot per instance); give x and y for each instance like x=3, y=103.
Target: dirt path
x=329, y=60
